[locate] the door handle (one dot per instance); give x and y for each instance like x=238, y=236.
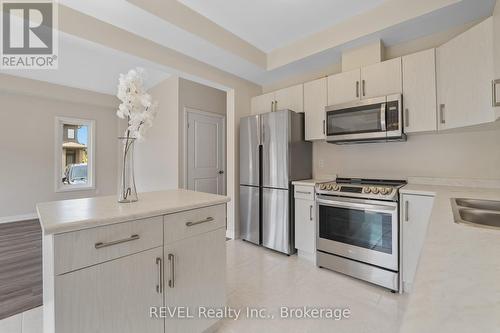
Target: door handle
x=303, y=192
x=363, y=87
x=208, y=219
x=310, y=213
x=494, y=84
x=383, y=125
x=272, y=106
x=275, y=105
x=357, y=89
x=407, y=213
x=324, y=126
x=407, y=117
x=441, y=113
x=159, y=286
x=100, y=245
x=171, y=281
x=221, y=172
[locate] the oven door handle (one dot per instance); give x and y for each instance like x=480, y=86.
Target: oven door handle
x=356, y=205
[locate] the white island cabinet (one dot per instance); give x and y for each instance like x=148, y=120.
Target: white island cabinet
x=108, y=266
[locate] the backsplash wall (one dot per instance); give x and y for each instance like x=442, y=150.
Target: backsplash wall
x=471, y=155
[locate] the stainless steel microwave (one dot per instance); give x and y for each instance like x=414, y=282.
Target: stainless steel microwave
x=368, y=120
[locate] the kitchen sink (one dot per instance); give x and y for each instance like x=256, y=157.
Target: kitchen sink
x=481, y=213
x=479, y=204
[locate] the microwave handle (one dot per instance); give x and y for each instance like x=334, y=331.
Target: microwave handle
x=383, y=123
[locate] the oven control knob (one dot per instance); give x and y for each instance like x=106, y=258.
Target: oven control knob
x=330, y=187
x=366, y=190
x=374, y=190
x=388, y=190
x=383, y=190
x=336, y=188
x=322, y=187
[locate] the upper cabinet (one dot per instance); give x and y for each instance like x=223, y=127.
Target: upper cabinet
x=344, y=87
x=262, y=104
x=315, y=101
x=381, y=79
x=291, y=98
x=465, y=70
x=419, y=92
x=372, y=81
x=496, y=57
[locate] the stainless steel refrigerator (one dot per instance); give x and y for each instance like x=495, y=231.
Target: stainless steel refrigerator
x=273, y=153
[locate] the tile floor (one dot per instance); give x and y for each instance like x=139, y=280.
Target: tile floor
x=27, y=322
x=263, y=279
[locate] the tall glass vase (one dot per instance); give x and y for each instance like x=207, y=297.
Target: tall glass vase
x=126, y=188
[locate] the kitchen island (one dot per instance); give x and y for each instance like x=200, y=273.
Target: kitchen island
x=111, y=267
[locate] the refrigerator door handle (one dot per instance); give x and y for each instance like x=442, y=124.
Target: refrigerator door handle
x=259, y=138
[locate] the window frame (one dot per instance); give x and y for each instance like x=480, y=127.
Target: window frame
x=59, y=138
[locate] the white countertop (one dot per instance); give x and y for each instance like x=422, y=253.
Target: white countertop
x=457, y=284
x=311, y=182
x=70, y=215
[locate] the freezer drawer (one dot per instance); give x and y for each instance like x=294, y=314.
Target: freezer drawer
x=249, y=213
x=249, y=150
x=277, y=231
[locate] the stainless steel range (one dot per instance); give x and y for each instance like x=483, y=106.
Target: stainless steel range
x=358, y=229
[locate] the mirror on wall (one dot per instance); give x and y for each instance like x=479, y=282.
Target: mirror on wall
x=74, y=154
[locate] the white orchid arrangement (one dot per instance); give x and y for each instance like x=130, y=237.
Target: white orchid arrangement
x=136, y=104
x=137, y=107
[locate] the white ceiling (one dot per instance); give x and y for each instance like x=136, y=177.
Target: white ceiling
x=90, y=66
x=96, y=67
x=269, y=24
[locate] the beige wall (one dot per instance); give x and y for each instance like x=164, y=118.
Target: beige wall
x=27, y=141
x=200, y=97
x=239, y=91
x=159, y=160
x=156, y=167
x=470, y=154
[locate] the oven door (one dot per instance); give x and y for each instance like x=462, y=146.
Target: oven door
x=363, y=230
x=362, y=120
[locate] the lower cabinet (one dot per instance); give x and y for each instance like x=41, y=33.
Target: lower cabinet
x=416, y=211
x=137, y=276
x=195, y=271
x=305, y=222
x=112, y=297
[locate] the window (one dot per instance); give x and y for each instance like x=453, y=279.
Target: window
x=74, y=154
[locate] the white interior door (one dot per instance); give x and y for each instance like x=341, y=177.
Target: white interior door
x=205, y=152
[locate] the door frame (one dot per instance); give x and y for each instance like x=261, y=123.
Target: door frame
x=186, y=111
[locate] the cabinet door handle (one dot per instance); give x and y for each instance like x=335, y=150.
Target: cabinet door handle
x=310, y=213
x=171, y=281
x=442, y=118
x=407, y=117
x=407, y=211
x=272, y=106
x=324, y=126
x=363, y=87
x=208, y=219
x=357, y=89
x=100, y=245
x=495, y=102
x=303, y=192
x=275, y=105
x=159, y=286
